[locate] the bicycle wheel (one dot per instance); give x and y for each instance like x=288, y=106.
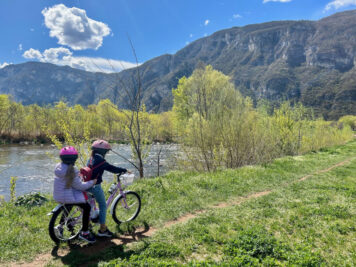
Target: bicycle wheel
x=126, y=208
x=65, y=224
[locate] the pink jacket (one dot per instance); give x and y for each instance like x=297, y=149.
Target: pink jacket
x=73, y=194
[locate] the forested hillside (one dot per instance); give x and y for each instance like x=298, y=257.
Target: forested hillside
x=308, y=61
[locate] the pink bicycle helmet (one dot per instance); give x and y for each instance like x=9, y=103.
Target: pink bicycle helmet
x=68, y=150
x=68, y=155
x=101, y=147
x=102, y=144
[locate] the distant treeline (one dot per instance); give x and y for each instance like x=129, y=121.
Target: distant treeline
x=214, y=124
x=104, y=120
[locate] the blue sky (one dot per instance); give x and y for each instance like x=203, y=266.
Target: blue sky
x=93, y=34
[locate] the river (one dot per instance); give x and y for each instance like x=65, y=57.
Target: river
x=33, y=165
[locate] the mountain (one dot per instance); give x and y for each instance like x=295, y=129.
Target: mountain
x=308, y=61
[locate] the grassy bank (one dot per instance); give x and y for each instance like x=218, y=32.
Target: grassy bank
x=298, y=222
x=310, y=223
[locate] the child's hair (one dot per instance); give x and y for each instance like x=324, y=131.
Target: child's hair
x=68, y=156
x=70, y=174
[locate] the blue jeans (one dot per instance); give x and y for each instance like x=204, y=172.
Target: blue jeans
x=98, y=193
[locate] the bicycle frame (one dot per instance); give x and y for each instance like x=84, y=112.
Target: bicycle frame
x=112, y=199
x=70, y=216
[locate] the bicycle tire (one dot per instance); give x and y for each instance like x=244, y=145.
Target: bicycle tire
x=120, y=210
x=70, y=230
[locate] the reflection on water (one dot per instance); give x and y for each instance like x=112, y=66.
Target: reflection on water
x=34, y=165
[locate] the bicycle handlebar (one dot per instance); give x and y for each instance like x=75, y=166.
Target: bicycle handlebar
x=119, y=174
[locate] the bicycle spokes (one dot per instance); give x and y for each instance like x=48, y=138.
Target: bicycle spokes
x=127, y=207
x=68, y=223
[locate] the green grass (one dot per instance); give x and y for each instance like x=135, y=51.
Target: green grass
x=172, y=196
x=311, y=222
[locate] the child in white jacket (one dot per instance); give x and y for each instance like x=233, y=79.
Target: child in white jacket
x=68, y=188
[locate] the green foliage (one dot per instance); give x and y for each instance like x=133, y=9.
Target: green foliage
x=161, y=250
x=13, y=188
x=220, y=129
x=139, y=261
x=255, y=242
x=24, y=231
x=255, y=245
x=68, y=133
x=204, y=93
x=104, y=120
x=348, y=120
x=215, y=115
x=31, y=200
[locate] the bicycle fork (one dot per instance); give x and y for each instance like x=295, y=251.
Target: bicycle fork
x=123, y=203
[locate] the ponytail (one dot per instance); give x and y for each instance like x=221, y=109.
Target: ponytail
x=70, y=174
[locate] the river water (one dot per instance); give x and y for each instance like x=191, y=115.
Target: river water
x=33, y=165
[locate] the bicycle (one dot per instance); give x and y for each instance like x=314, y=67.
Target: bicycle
x=66, y=221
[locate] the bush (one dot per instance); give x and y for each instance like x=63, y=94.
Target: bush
x=31, y=200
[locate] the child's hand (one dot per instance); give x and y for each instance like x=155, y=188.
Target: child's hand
x=95, y=181
x=129, y=172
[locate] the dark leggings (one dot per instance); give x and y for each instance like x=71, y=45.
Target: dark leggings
x=86, y=213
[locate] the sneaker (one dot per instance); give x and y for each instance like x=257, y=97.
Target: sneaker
x=88, y=237
x=106, y=233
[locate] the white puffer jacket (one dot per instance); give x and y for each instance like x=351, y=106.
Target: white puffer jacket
x=73, y=194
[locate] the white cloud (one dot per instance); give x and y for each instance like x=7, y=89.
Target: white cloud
x=3, y=65
x=206, y=22
x=32, y=29
x=98, y=64
x=336, y=4
x=236, y=16
x=282, y=1
x=57, y=55
x=191, y=35
x=63, y=56
x=72, y=27
x=32, y=54
x=20, y=47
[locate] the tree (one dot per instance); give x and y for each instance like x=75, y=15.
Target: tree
x=137, y=126
x=215, y=115
x=4, y=112
x=108, y=114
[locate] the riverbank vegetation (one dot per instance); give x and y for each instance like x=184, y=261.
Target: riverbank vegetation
x=104, y=120
x=310, y=222
x=215, y=126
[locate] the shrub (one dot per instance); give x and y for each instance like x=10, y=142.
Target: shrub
x=30, y=200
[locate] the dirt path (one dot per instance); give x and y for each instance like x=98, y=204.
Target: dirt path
x=141, y=233
x=326, y=170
